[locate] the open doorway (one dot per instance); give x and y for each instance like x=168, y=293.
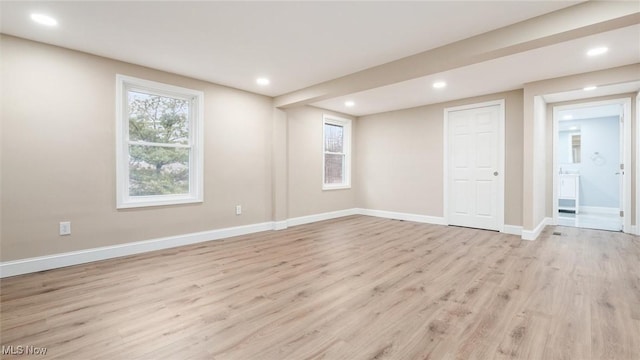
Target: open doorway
x=589, y=154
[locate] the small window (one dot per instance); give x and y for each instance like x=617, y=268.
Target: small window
x=159, y=143
x=337, y=153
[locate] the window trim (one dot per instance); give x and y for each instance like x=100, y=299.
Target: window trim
x=346, y=125
x=196, y=141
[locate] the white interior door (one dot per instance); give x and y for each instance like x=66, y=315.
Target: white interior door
x=473, y=167
x=620, y=172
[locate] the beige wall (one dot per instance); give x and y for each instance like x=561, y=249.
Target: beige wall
x=280, y=167
x=400, y=158
x=306, y=196
x=539, y=159
x=58, y=146
x=57, y=149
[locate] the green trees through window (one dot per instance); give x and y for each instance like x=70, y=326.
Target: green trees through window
x=158, y=145
x=334, y=157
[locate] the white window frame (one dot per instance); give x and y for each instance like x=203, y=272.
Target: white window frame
x=346, y=125
x=124, y=84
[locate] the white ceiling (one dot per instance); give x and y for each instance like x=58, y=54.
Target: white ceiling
x=295, y=44
x=506, y=73
x=591, y=112
x=300, y=44
x=622, y=88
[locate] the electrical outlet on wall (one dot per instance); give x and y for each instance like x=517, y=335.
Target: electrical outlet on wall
x=238, y=209
x=65, y=228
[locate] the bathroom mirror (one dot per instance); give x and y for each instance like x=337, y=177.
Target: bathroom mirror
x=574, y=142
x=570, y=147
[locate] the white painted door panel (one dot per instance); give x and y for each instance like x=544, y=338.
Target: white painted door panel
x=473, y=150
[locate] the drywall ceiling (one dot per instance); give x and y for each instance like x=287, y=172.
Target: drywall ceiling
x=567, y=116
x=622, y=88
x=301, y=44
x=295, y=44
x=505, y=73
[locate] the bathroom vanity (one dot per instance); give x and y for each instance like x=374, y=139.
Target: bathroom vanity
x=569, y=189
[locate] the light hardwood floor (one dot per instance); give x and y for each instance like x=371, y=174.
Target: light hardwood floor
x=352, y=288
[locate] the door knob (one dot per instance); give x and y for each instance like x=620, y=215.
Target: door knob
x=495, y=173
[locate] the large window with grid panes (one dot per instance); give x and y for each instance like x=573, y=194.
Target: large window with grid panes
x=159, y=143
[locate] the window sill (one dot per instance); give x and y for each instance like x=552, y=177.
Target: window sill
x=336, y=187
x=132, y=204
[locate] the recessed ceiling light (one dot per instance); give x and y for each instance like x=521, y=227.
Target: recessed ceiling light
x=349, y=103
x=262, y=81
x=597, y=51
x=567, y=117
x=573, y=128
x=439, y=84
x=589, y=88
x=43, y=19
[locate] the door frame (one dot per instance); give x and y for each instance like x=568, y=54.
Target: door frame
x=625, y=139
x=637, y=167
x=501, y=158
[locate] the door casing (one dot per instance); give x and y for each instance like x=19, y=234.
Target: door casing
x=625, y=156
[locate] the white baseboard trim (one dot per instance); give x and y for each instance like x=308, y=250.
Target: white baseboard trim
x=35, y=264
x=635, y=229
x=280, y=225
x=533, y=234
x=320, y=217
x=436, y=220
x=41, y=263
x=599, y=210
x=512, y=229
